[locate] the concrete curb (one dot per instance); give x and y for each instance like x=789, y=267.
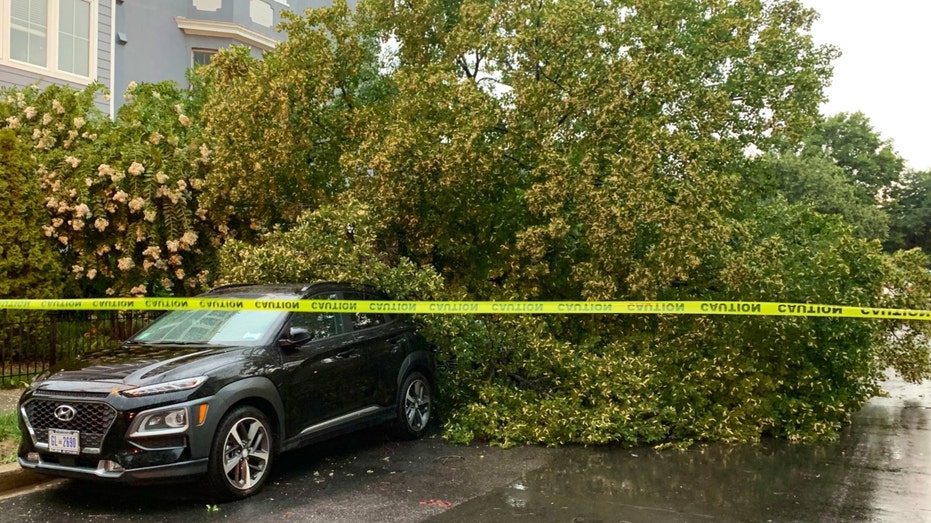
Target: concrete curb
x=14, y=479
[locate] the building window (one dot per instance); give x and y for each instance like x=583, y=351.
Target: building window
x=202, y=56
x=54, y=37
x=74, y=35
x=29, y=31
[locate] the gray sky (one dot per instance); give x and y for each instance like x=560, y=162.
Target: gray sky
x=884, y=71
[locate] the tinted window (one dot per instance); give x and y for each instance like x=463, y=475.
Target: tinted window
x=319, y=324
x=365, y=320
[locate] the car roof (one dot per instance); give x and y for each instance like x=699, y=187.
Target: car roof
x=283, y=290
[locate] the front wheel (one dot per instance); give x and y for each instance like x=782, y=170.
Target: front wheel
x=414, y=406
x=241, y=454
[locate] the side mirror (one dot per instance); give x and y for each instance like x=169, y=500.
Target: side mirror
x=297, y=336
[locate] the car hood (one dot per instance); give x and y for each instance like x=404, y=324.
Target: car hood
x=134, y=365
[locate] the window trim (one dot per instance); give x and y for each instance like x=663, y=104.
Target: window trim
x=51, y=69
x=204, y=50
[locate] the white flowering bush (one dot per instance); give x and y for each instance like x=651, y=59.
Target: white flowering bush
x=122, y=196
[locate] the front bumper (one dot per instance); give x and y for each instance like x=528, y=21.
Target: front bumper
x=102, y=472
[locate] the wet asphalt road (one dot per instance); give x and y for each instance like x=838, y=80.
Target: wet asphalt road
x=879, y=471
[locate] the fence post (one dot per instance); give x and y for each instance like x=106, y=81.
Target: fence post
x=52, y=339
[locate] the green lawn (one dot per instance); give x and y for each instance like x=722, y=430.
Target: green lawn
x=9, y=437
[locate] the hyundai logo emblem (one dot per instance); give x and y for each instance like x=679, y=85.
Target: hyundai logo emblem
x=65, y=412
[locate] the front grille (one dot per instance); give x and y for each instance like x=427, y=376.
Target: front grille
x=93, y=420
x=69, y=394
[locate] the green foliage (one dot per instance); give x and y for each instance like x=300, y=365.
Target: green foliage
x=28, y=265
x=569, y=150
x=868, y=161
x=911, y=213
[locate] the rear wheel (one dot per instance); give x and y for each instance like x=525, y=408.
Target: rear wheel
x=241, y=454
x=414, y=406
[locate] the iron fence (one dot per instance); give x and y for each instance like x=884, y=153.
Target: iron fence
x=32, y=342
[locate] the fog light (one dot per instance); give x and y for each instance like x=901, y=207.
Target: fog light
x=106, y=465
x=32, y=457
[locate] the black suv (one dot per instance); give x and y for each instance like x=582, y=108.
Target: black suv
x=222, y=393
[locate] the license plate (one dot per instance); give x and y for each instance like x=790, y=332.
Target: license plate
x=64, y=441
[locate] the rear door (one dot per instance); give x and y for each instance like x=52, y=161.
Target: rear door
x=385, y=342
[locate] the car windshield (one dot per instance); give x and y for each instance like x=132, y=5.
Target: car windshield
x=244, y=327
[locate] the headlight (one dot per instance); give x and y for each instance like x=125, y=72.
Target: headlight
x=160, y=422
x=161, y=388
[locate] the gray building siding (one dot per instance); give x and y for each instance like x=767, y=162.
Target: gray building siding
x=11, y=75
x=153, y=40
x=159, y=37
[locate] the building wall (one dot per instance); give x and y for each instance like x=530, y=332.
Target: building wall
x=155, y=39
x=16, y=75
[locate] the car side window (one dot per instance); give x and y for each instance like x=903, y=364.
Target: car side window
x=365, y=320
x=319, y=324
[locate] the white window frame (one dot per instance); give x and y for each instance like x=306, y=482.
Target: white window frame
x=51, y=69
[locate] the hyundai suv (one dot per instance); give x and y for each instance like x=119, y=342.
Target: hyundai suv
x=222, y=393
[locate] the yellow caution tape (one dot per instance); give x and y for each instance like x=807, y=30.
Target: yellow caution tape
x=733, y=308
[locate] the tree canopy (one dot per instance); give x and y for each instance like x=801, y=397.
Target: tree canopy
x=501, y=150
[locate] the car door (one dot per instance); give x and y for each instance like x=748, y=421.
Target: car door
x=326, y=376
x=384, y=342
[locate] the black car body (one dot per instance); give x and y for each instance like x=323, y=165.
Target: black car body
x=222, y=393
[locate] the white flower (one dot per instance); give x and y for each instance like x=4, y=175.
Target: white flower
x=63, y=240
x=88, y=182
x=77, y=268
x=197, y=184
x=188, y=239
x=13, y=122
x=155, y=138
x=173, y=245
x=46, y=119
x=104, y=170
x=110, y=291
x=101, y=224
x=81, y=210
x=72, y=161
x=185, y=121
x=117, y=176
x=121, y=196
x=136, y=204
x=138, y=290
x=78, y=122
x=179, y=273
x=60, y=109
x=125, y=263
x=152, y=251
x=77, y=224
x=136, y=169
x=161, y=177
x=30, y=112
x=182, y=185
x=91, y=274
x=149, y=216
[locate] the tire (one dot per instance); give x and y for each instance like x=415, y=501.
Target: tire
x=241, y=454
x=415, y=405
